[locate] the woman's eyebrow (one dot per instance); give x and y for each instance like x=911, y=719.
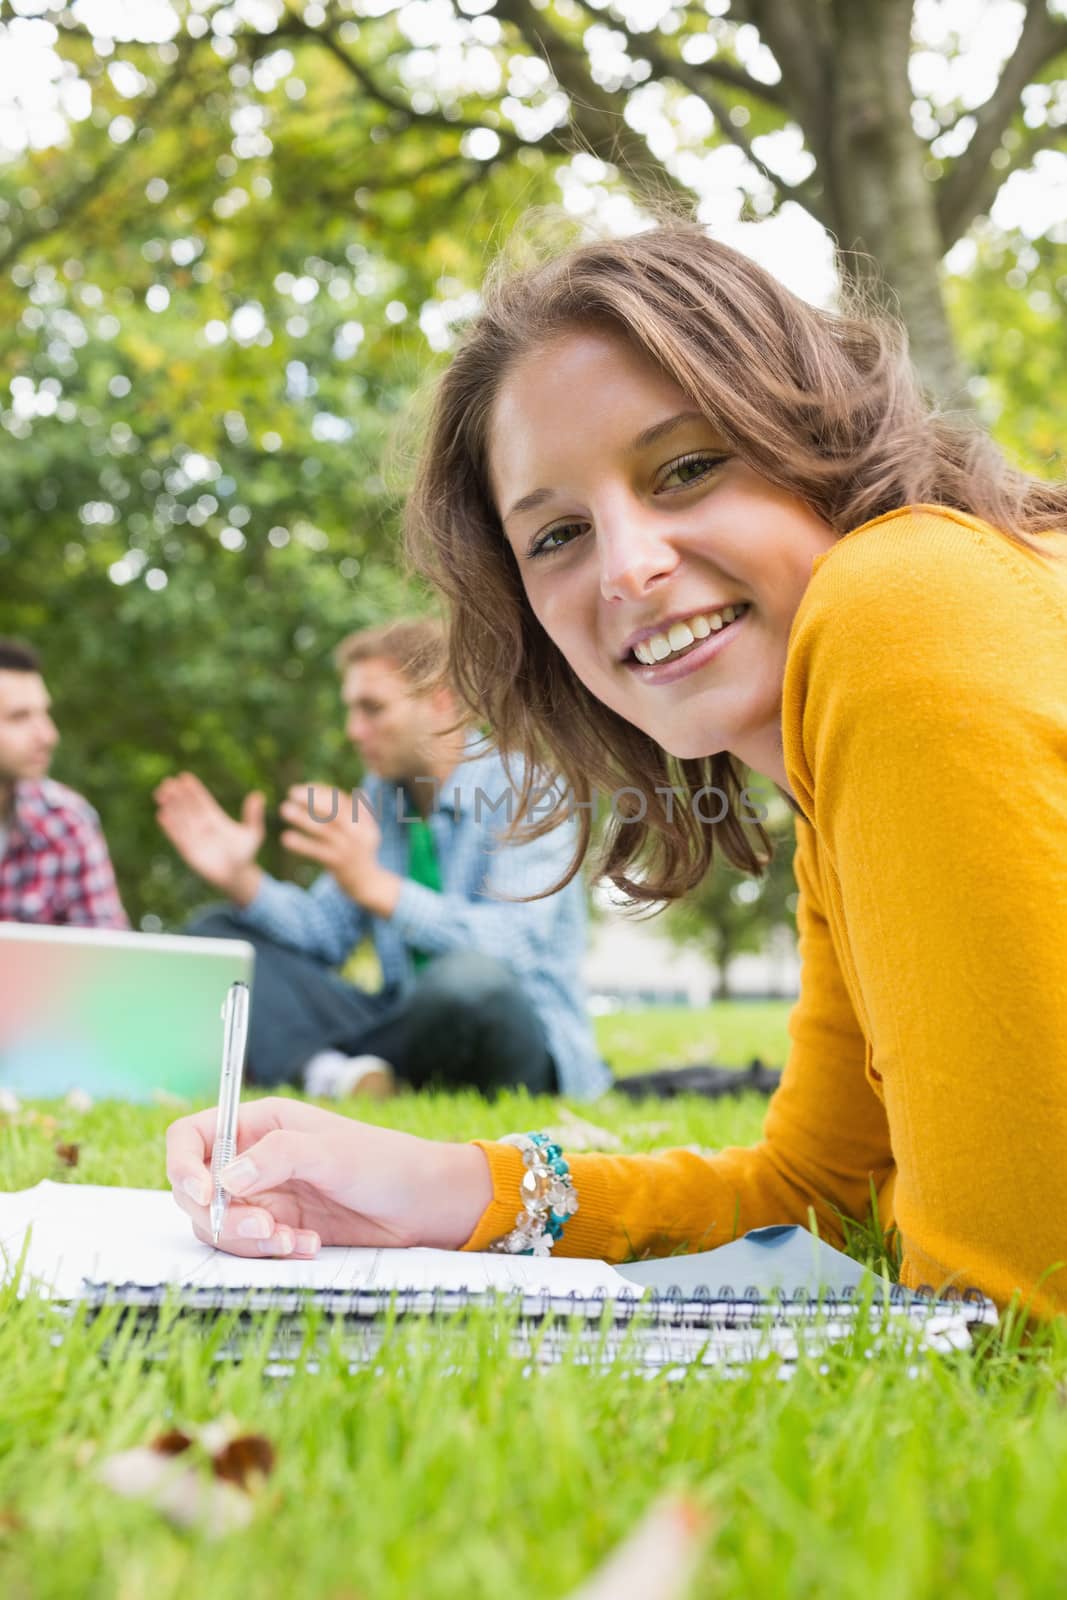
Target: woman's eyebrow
x=658, y=430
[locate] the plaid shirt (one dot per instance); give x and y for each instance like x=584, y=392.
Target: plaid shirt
x=55, y=867
x=543, y=940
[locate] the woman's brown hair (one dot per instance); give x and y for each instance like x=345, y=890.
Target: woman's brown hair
x=827, y=406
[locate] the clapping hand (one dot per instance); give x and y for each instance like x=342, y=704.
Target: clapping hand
x=221, y=849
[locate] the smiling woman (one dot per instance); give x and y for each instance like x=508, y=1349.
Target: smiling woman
x=689, y=526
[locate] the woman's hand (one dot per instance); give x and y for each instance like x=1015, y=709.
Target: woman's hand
x=305, y=1177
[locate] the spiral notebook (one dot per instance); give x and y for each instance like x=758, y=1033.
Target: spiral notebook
x=80, y=1243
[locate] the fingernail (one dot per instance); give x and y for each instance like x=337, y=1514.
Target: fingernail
x=238, y=1175
x=253, y=1228
x=306, y=1242
x=280, y=1245
x=198, y=1188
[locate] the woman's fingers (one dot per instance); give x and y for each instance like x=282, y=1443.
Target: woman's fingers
x=251, y=1231
x=284, y=1155
x=188, y=1147
x=297, y=1244
x=190, y=1140
x=271, y=1156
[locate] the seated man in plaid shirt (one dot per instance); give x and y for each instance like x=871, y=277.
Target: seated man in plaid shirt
x=54, y=865
x=478, y=988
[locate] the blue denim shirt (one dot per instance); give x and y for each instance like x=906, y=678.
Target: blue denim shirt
x=543, y=940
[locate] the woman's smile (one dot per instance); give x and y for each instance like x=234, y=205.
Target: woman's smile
x=688, y=655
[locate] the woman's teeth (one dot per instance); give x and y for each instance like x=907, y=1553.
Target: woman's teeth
x=681, y=636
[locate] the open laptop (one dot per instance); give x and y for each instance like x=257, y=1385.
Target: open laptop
x=120, y=1015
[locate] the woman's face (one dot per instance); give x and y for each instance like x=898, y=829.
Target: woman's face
x=633, y=527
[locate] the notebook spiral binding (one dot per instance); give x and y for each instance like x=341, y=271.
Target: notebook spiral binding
x=671, y=1308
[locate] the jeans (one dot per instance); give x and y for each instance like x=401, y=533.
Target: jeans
x=465, y=1023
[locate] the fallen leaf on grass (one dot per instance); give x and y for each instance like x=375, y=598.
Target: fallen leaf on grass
x=244, y=1459
x=656, y=1561
x=181, y=1492
x=204, y=1478
x=68, y=1154
x=578, y=1134
x=172, y=1443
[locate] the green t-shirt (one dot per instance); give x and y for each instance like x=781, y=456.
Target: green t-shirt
x=423, y=867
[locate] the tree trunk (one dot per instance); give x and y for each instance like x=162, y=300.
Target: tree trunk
x=723, y=952
x=880, y=201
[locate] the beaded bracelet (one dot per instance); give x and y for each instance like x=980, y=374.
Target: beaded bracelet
x=548, y=1197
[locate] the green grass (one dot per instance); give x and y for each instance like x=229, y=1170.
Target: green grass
x=729, y=1033
x=451, y=1472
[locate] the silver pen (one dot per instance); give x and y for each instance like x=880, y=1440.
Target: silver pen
x=234, y=1040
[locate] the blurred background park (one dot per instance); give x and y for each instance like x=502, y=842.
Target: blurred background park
x=238, y=240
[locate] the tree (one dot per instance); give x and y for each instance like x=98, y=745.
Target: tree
x=221, y=284
x=186, y=533
x=408, y=116
x=730, y=912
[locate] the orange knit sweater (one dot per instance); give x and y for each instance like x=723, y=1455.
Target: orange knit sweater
x=924, y=721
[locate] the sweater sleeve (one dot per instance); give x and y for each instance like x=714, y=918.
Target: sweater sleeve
x=925, y=726
x=825, y=1138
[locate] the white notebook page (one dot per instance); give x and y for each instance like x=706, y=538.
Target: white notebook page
x=112, y=1235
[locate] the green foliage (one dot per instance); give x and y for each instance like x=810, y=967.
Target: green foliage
x=216, y=301
x=730, y=1032
x=730, y=911
x=188, y=529
x=453, y=1468
x=1008, y=307
x=450, y=1468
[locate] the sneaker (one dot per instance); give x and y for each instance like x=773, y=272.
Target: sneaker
x=332, y=1076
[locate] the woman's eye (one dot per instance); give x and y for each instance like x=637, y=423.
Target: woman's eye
x=692, y=468
x=555, y=538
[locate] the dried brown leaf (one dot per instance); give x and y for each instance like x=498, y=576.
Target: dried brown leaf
x=172, y=1443
x=68, y=1154
x=244, y=1460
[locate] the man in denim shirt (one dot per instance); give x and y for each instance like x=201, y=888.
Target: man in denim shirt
x=478, y=987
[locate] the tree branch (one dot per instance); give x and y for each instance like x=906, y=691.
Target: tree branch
x=964, y=190
x=795, y=34
x=510, y=143
x=365, y=78
x=694, y=78
x=597, y=115
x=692, y=75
